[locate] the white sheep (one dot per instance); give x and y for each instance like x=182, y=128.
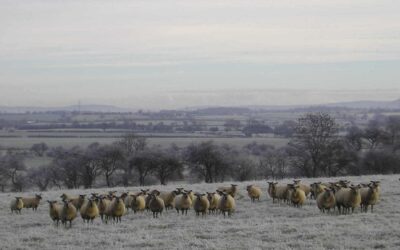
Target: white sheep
x=16, y=205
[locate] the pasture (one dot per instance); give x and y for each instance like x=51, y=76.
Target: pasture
x=259, y=225
x=68, y=142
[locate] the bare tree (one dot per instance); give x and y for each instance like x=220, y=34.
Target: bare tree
x=111, y=158
x=315, y=132
x=13, y=168
x=39, y=148
x=169, y=165
x=41, y=176
x=66, y=162
x=131, y=146
x=144, y=163
x=206, y=160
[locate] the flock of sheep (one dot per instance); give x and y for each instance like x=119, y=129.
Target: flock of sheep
x=341, y=195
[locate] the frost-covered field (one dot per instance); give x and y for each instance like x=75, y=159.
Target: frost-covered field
x=260, y=225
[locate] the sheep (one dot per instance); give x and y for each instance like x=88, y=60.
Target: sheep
x=298, y=196
x=213, y=198
x=254, y=192
x=317, y=188
x=55, y=211
x=348, y=198
x=270, y=186
x=369, y=197
x=232, y=190
x=76, y=201
x=116, y=209
x=103, y=204
x=183, y=203
x=68, y=213
x=89, y=211
x=16, y=205
x=168, y=198
x=148, y=197
x=226, y=204
x=32, y=202
x=201, y=204
x=191, y=194
x=279, y=192
x=305, y=188
x=138, y=203
x=326, y=200
x=156, y=204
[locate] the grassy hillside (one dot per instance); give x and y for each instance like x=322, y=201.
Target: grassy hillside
x=262, y=225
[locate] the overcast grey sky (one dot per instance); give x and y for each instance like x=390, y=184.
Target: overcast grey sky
x=165, y=54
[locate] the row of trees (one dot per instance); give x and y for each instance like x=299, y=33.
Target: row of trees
x=315, y=149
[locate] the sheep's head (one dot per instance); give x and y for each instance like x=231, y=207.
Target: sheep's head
x=355, y=189
x=296, y=181
x=38, y=196
x=249, y=187
x=82, y=196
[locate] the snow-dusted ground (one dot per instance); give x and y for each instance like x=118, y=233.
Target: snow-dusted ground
x=260, y=225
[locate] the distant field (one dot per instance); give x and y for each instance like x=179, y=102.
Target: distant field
x=260, y=225
x=25, y=142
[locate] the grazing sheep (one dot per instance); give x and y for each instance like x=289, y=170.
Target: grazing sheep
x=116, y=209
x=254, y=192
x=326, y=200
x=138, y=203
x=298, y=196
x=369, y=197
x=89, y=211
x=232, y=190
x=305, y=188
x=183, y=203
x=156, y=205
x=32, y=202
x=68, y=213
x=279, y=192
x=213, y=198
x=148, y=198
x=55, y=211
x=168, y=198
x=127, y=199
x=348, y=198
x=226, y=204
x=16, y=205
x=76, y=201
x=201, y=204
x=103, y=203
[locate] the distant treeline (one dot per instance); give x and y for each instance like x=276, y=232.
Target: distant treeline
x=315, y=149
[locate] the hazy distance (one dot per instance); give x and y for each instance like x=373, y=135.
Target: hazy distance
x=175, y=54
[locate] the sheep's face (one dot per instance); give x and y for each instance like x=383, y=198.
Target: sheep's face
x=355, y=190
x=38, y=196
x=210, y=196
x=91, y=203
x=249, y=187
